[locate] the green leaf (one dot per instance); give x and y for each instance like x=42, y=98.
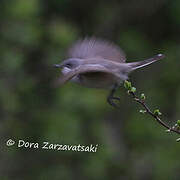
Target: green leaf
x=167, y=130
x=178, y=123
x=157, y=112
x=142, y=111
x=143, y=96
x=127, y=85
x=133, y=89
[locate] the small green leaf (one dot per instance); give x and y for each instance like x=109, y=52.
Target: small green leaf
x=178, y=139
x=143, y=96
x=142, y=111
x=168, y=130
x=157, y=112
x=133, y=89
x=127, y=84
x=178, y=123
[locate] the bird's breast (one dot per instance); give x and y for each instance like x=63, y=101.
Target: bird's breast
x=97, y=80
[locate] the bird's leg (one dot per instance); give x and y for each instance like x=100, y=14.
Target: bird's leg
x=111, y=97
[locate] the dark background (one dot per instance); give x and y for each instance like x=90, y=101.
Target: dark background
x=35, y=34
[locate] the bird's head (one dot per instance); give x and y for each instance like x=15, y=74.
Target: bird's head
x=68, y=64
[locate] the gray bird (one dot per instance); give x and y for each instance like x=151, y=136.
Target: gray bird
x=96, y=63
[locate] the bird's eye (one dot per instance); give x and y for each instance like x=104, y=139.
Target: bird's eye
x=68, y=65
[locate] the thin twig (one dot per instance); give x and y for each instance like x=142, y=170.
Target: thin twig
x=156, y=117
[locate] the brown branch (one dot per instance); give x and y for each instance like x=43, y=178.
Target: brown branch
x=156, y=117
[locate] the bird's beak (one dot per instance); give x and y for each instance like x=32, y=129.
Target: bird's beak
x=57, y=65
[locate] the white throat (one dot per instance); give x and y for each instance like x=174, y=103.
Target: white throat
x=66, y=70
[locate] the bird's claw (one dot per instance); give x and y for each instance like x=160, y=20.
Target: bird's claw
x=112, y=103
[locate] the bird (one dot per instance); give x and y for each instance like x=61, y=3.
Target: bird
x=97, y=63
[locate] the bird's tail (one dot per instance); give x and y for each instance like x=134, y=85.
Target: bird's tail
x=140, y=64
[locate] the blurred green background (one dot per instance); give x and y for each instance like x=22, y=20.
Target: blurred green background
x=34, y=34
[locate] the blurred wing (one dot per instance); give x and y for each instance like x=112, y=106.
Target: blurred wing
x=92, y=47
x=84, y=69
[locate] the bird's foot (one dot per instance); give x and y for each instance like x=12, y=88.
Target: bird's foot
x=111, y=100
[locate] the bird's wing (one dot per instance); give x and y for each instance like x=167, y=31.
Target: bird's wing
x=92, y=47
x=84, y=69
